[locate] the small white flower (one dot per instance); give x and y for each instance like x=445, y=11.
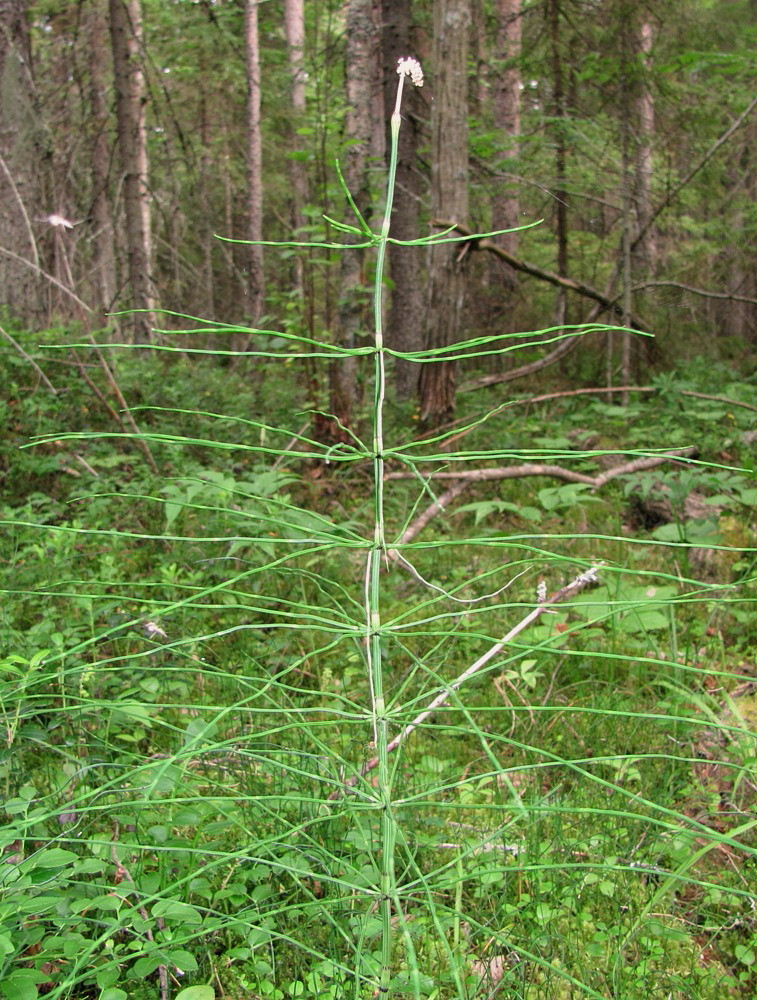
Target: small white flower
x=412, y=68
x=541, y=591
x=151, y=630
x=58, y=220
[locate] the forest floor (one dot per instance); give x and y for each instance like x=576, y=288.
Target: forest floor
x=187, y=764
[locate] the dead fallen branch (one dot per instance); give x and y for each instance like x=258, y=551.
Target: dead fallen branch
x=558, y=280
x=464, y=479
x=569, y=590
x=487, y=380
x=564, y=347
x=705, y=293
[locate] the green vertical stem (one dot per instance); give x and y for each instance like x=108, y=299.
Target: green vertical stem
x=389, y=897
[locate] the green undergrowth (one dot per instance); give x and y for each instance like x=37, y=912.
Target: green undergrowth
x=276, y=726
x=179, y=711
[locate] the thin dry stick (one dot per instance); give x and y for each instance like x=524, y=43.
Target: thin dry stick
x=142, y=444
x=599, y=390
x=556, y=354
x=569, y=284
x=48, y=277
x=97, y=391
x=556, y=471
x=465, y=478
x=695, y=291
x=22, y=206
x=574, y=587
x=437, y=507
x=676, y=190
x=31, y=361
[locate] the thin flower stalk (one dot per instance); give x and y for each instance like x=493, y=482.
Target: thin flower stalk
x=390, y=902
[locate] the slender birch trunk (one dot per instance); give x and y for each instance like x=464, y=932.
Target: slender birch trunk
x=362, y=41
x=21, y=156
x=126, y=43
x=560, y=146
x=506, y=118
x=256, y=283
x=103, y=249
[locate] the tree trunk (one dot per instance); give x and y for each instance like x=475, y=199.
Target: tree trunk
x=294, y=27
x=741, y=317
x=506, y=117
x=362, y=42
x=637, y=130
x=208, y=182
x=626, y=268
x=126, y=42
x=560, y=146
x=103, y=254
x=449, y=200
x=404, y=327
x=254, y=162
x=21, y=153
x=645, y=250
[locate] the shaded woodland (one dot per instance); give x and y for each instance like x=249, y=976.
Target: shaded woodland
x=135, y=132
x=377, y=500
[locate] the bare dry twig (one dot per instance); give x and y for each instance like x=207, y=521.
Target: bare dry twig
x=574, y=587
x=558, y=280
x=464, y=479
x=32, y=362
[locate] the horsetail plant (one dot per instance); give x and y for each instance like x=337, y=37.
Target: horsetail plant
x=238, y=813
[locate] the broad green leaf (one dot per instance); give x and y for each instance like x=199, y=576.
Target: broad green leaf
x=182, y=959
x=171, y=909
x=196, y=993
x=21, y=984
x=55, y=857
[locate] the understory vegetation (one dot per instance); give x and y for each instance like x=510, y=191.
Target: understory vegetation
x=385, y=711
x=188, y=802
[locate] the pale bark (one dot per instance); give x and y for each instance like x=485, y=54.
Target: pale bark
x=404, y=325
x=103, y=253
x=362, y=43
x=449, y=198
x=560, y=194
x=126, y=42
x=506, y=118
x=208, y=180
x=21, y=152
x=742, y=275
x=646, y=249
x=625, y=31
x=294, y=27
x=254, y=162
x=637, y=131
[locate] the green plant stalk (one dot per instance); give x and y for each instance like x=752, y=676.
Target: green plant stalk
x=389, y=896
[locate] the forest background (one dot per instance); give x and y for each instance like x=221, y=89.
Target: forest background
x=263, y=734
x=133, y=133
